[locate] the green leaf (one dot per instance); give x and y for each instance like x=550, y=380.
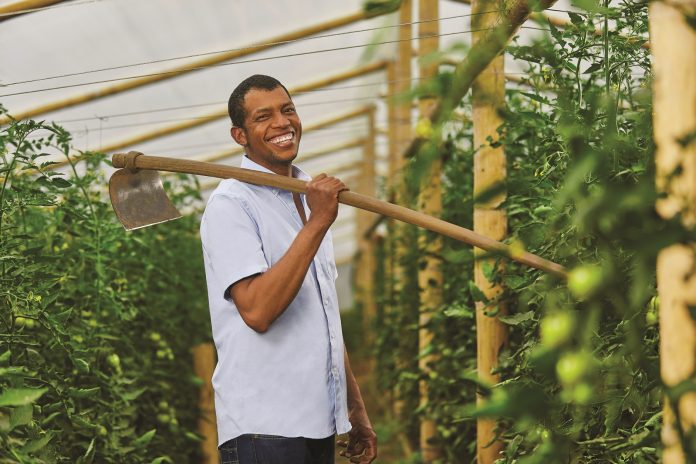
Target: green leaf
x=21, y=396
x=60, y=182
x=459, y=312
x=80, y=421
x=515, y=281
x=161, y=459
x=131, y=395
x=61, y=317
x=83, y=392
x=476, y=292
x=593, y=67
x=535, y=97
x=575, y=18
x=81, y=365
x=21, y=415
x=517, y=319
x=144, y=439
x=5, y=356
x=35, y=445
x=88, y=457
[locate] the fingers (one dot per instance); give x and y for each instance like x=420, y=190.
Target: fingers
x=328, y=183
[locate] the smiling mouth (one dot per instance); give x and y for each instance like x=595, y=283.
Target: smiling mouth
x=284, y=140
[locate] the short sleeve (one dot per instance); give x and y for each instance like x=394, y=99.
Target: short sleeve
x=231, y=241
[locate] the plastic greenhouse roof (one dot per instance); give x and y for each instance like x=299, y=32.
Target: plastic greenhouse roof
x=141, y=37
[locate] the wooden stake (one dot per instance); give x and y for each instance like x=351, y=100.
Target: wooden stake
x=430, y=279
x=402, y=123
x=197, y=64
x=674, y=116
x=204, y=360
x=489, y=218
x=366, y=265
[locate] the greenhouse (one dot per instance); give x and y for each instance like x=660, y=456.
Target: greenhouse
x=399, y=231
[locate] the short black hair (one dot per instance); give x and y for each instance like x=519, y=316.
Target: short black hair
x=235, y=105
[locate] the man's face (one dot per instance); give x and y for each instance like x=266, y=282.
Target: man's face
x=272, y=129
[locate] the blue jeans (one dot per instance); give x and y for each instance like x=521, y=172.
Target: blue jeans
x=272, y=449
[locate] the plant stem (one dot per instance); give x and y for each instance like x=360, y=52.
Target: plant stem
x=97, y=223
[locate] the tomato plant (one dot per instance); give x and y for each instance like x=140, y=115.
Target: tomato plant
x=80, y=379
x=580, y=372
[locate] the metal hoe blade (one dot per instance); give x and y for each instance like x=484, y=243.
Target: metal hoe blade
x=139, y=199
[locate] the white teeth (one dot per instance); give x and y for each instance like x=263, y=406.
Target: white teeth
x=281, y=138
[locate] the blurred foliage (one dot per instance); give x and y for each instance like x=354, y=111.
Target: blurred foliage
x=96, y=324
x=580, y=375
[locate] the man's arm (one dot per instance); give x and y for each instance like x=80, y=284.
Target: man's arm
x=262, y=298
x=362, y=439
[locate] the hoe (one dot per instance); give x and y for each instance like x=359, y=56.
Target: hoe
x=139, y=200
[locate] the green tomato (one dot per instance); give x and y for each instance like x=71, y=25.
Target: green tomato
x=163, y=405
x=542, y=210
x=161, y=354
x=584, y=280
x=24, y=322
x=572, y=367
x=114, y=361
x=79, y=338
x=424, y=128
x=101, y=431
x=582, y=393
x=163, y=418
x=557, y=328
x=654, y=303
x=651, y=316
x=541, y=433
x=155, y=337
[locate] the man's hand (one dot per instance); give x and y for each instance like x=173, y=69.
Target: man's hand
x=361, y=447
x=322, y=199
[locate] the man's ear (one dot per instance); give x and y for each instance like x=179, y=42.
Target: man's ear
x=239, y=135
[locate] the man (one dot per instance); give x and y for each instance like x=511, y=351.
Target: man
x=283, y=383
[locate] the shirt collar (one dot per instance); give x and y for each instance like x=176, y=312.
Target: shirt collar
x=297, y=173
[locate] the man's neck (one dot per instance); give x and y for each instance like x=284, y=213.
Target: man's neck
x=280, y=169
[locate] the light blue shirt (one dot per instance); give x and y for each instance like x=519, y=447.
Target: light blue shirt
x=289, y=381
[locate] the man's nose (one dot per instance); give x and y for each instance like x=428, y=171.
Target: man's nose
x=280, y=120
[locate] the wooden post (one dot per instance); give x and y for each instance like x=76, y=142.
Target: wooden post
x=402, y=122
x=489, y=218
x=194, y=65
x=203, y=365
x=365, y=271
x=674, y=116
x=430, y=280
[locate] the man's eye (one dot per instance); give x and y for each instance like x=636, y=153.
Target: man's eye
x=261, y=117
x=289, y=110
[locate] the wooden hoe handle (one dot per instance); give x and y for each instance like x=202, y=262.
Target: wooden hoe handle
x=135, y=160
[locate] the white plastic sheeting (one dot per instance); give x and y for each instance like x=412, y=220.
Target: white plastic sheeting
x=140, y=37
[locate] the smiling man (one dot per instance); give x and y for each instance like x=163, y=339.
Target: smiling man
x=283, y=383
